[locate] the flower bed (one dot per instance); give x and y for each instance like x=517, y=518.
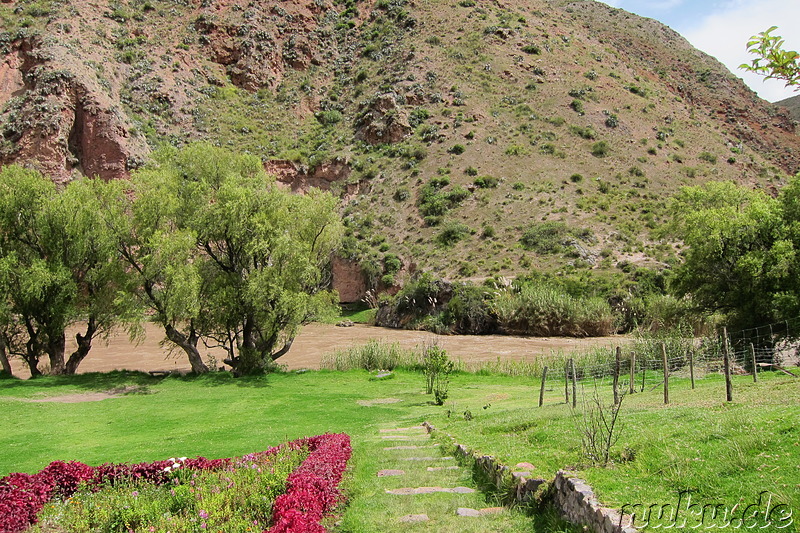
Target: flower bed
x=311, y=489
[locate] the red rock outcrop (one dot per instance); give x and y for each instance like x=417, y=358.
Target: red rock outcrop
x=61, y=121
x=383, y=121
x=349, y=280
x=300, y=180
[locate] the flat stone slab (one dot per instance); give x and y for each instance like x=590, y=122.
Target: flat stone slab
x=419, y=428
x=385, y=473
x=397, y=437
x=410, y=518
x=524, y=466
x=410, y=447
x=428, y=458
x=437, y=468
x=466, y=511
x=429, y=490
x=378, y=401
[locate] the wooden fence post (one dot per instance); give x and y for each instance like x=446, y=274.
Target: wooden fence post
x=566, y=382
x=691, y=365
x=574, y=383
x=753, y=360
x=616, y=376
x=726, y=362
x=644, y=373
x=666, y=372
x=541, y=391
x=633, y=373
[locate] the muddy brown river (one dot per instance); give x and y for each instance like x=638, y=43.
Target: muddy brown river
x=316, y=340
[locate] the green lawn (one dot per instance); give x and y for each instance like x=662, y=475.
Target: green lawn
x=718, y=450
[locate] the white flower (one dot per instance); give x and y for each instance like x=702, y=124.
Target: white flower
x=171, y=459
x=167, y=469
x=181, y=459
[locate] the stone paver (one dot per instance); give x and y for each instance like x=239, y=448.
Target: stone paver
x=429, y=490
x=438, y=468
x=397, y=437
x=385, y=473
x=414, y=518
x=448, y=458
x=395, y=430
x=410, y=447
x=466, y=511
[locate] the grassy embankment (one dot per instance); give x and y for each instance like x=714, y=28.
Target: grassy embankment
x=722, y=452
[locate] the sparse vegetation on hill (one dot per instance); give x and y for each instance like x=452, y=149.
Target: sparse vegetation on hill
x=377, y=100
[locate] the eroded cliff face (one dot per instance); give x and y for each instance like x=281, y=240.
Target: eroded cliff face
x=59, y=120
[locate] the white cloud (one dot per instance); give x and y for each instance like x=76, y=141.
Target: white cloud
x=724, y=35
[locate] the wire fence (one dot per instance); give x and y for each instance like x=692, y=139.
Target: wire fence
x=649, y=362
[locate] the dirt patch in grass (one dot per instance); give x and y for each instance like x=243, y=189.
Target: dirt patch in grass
x=91, y=396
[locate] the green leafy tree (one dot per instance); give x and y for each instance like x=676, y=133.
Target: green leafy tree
x=739, y=258
x=772, y=61
x=225, y=257
x=58, y=266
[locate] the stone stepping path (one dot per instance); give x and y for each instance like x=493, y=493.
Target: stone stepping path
x=411, y=518
x=420, y=504
x=411, y=447
x=388, y=472
x=467, y=511
x=430, y=490
x=428, y=458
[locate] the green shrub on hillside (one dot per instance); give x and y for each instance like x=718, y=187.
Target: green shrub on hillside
x=486, y=182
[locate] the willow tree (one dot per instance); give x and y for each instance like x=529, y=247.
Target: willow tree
x=58, y=267
x=227, y=258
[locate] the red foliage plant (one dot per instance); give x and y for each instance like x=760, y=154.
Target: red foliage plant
x=312, y=487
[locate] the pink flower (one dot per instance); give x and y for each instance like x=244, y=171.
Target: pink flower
x=203, y=514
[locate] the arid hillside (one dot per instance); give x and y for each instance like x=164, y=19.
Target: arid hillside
x=470, y=137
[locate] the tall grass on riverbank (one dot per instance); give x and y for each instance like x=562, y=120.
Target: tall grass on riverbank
x=541, y=310
x=374, y=355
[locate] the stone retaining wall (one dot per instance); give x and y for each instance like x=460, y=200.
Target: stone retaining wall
x=571, y=496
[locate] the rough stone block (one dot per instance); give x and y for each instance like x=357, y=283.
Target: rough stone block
x=466, y=511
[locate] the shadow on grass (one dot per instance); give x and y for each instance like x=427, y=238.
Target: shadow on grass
x=104, y=381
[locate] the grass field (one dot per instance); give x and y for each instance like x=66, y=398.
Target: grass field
x=720, y=451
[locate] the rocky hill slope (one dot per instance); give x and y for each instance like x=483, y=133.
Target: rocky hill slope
x=470, y=137
x=792, y=104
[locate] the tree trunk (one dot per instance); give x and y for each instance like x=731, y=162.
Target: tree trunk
x=31, y=357
x=4, y=358
x=283, y=350
x=84, y=345
x=187, y=343
x=55, y=351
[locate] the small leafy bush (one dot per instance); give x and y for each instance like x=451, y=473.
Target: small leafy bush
x=531, y=49
x=600, y=149
x=457, y=149
x=438, y=368
x=486, y=182
x=452, y=232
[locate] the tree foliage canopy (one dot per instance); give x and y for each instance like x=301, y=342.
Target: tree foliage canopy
x=227, y=257
x=58, y=266
x=741, y=257
x=772, y=61
x=201, y=241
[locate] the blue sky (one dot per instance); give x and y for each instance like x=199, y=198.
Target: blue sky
x=721, y=28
